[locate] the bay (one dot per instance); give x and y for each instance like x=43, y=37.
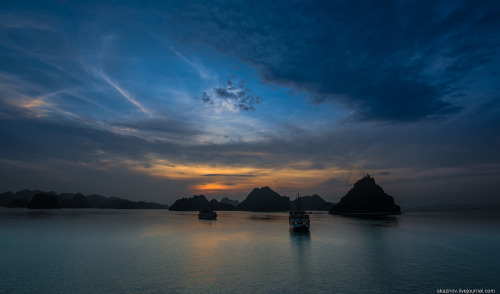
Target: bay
x=160, y=251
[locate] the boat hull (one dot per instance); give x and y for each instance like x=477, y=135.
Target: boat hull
x=208, y=215
x=299, y=221
x=303, y=228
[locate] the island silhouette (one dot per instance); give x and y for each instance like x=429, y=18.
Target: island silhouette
x=259, y=199
x=366, y=197
x=36, y=199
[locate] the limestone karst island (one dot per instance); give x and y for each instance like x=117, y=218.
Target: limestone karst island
x=366, y=197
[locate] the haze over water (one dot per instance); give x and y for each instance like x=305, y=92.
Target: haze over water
x=158, y=251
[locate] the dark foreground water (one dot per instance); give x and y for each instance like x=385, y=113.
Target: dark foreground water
x=157, y=251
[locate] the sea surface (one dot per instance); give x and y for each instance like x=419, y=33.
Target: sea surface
x=160, y=251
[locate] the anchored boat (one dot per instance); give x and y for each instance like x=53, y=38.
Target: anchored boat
x=207, y=214
x=299, y=219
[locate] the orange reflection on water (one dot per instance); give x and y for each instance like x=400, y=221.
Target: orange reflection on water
x=211, y=249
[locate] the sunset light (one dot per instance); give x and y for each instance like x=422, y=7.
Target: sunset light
x=242, y=146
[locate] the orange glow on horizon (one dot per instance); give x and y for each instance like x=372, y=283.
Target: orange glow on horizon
x=212, y=186
x=214, y=179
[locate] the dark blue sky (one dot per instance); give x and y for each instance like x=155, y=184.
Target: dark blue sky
x=156, y=101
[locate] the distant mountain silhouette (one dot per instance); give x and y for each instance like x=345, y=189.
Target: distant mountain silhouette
x=44, y=201
x=18, y=203
x=314, y=202
x=229, y=201
x=221, y=205
x=366, y=197
x=7, y=197
x=24, y=198
x=264, y=199
x=199, y=202
x=76, y=201
x=260, y=199
x=98, y=201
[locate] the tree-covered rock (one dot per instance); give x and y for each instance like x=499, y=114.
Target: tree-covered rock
x=366, y=197
x=44, y=201
x=264, y=199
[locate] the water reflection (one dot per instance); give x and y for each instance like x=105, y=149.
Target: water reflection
x=242, y=252
x=301, y=252
x=207, y=221
x=300, y=235
x=24, y=213
x=301, y=242
x=38, y=214
x=372, y=220
x=266, y=217
x=372, y=254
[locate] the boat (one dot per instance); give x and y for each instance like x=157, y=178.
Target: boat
x=299, y=219
x=207, y=214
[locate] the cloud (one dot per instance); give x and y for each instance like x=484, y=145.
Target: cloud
x=125, y=94
x=227, y=175
x=235, y=95
x=68, y=116
x=315, y=163
x=397, y=61
x=34, y=21
x=202, y=71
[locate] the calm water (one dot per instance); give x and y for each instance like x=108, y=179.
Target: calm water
x=157, y=251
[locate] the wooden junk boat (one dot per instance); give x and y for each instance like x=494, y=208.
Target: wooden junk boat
x=299, y=219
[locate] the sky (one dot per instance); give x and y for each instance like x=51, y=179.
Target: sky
x=158, y=100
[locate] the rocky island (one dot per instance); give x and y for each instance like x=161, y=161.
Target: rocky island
x=366, y=197
x=36, y=199
x=199, y=202
x=314, y=202
x=260, y=199
x=264, y=199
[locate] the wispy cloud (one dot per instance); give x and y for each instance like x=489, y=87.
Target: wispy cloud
x=200, y=69
x=17, y=21
x=125, y=94
x=37, y=106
